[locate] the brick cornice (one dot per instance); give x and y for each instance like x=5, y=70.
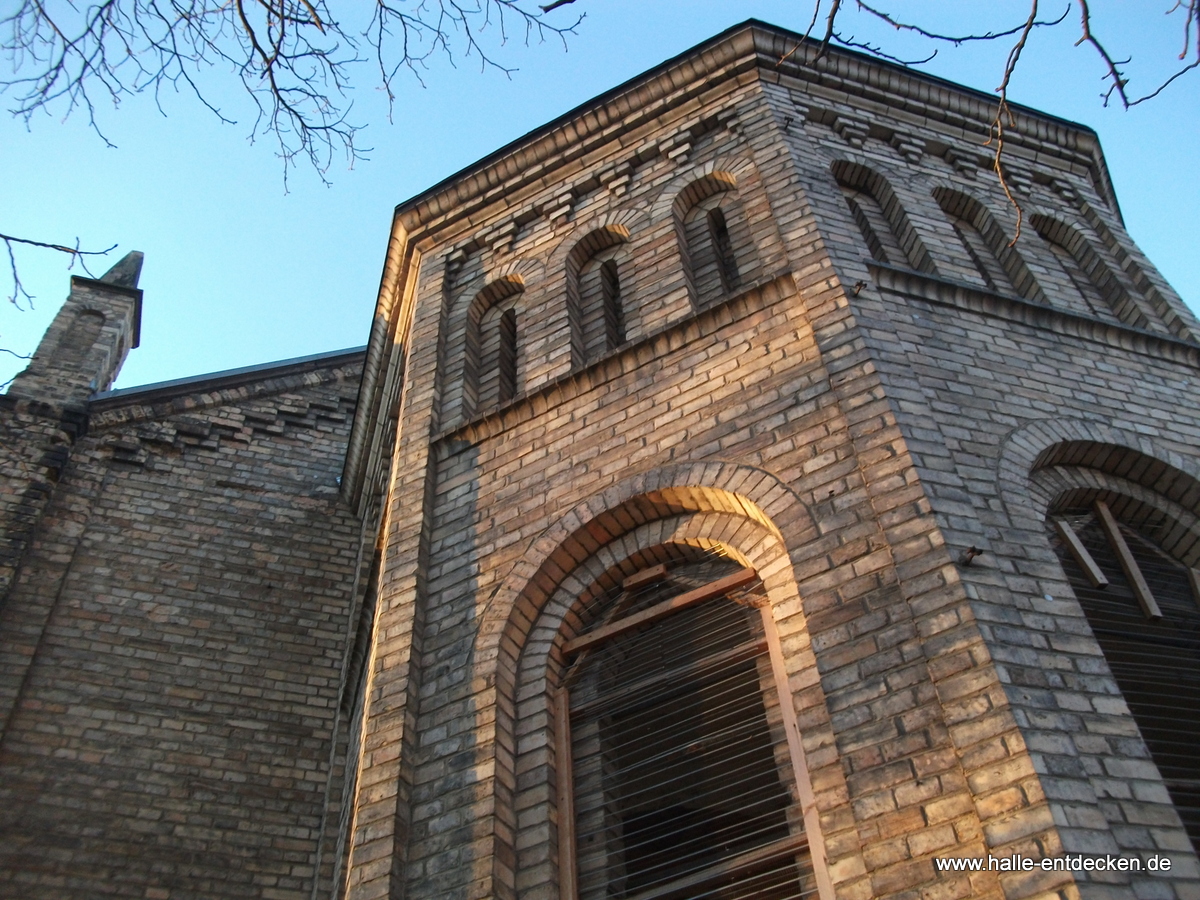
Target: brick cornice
x=741, y=49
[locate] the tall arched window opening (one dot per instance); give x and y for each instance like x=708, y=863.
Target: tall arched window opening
x=1097, y=287
x=871, y=222
x=599, y=285
x=990, y=272
x=676, y=775
x=1144, y=609
x=987, y=258
x=1087, y=291
x=719, y=246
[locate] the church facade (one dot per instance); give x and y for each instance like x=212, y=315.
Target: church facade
x=740, y=495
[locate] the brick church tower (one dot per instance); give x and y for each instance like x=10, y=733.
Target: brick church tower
x=734, y=505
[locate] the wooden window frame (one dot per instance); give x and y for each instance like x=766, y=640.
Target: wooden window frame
x=564, y=755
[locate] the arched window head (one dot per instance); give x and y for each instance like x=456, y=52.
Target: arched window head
x=1143, y=607
x=492, y=346
x=980, y=262
x=990, y=272
x=675, y=774
x=1091, y=283
x=880, y=218
x=871, y=222
x=719, y=249
x=598, y=289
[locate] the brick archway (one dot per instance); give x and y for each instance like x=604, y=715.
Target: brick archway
x=743, y=509
x=1093, y=445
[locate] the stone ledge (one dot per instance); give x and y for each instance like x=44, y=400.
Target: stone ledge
x=620, y=361
x=956, y=295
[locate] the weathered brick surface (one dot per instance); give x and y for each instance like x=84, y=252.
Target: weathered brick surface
x=188, y=597
x=192, y=670
x=857, y=388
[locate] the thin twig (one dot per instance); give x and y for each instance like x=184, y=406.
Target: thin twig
x=20, y=294
x=1003, y=111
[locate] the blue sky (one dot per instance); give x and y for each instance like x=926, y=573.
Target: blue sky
x=239, y=271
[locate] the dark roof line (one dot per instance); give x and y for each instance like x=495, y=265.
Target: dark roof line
x=225, y=379
x=570, y=114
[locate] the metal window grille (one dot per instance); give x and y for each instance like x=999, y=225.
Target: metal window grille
x=1155, y=661
x=683, y=779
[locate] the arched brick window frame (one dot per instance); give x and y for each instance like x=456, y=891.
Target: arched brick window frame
x=481, y=362
x=1098, y=286
x=717, y=246
x=880, y=217
x=1051, y=467
x=745, y=513
x=542, y=664
x=599, y=290
x=1130, y=556
x=993, y=264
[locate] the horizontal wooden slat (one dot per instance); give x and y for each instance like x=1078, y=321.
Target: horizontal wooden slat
x=746, y=863
x=682, y=675
x=738, y=579
x=645, y=577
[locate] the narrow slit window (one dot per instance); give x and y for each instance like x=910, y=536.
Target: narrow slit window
x=683, y=784
x=506, y=364
x=723, y=247
x=498, y=359
x=601, y=305
x=614, y=314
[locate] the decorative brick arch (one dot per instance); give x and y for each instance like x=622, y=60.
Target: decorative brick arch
x=696, y=183
x=459, y=365
x=1103, y=277
x=1050, y=466
x=956, y=202
x=1092, y=445
x=744, y=510
x=860, y=176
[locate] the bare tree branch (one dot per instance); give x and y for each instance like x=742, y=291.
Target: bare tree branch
x=1003, y=112
x=1118, y=79
x=1115, y=73
x=19, y=294
x=956, y=40
x=294, y=58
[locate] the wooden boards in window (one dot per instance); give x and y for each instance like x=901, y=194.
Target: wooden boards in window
x=1129, y=565
x=1089, y=566
x=738, y=579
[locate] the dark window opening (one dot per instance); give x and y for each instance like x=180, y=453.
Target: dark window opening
x=506, y=364
x=727, y=266
x=614, y=314
x=1155, y=661
x=683, y=783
